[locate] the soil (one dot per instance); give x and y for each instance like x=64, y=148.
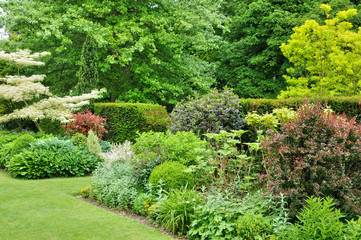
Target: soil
x=139, y=218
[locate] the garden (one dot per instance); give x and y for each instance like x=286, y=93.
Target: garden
x=174, y=147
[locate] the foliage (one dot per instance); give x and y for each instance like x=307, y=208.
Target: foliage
x=348, y=105
x=229, y=167
x=315, y=154
x=253, y=226
x=93, y=143
x=159, y=57
x=105, y=146
x=52, y=126
x=88, y=72
x=211, y=113
x=353, y=229
x=27, y=89
x=319, y=220
x=86, y=192
x=51, y=158
x=126, y=119
x=118, y=152
x=173, y=175
x=325, y=57
x=79, y=140
x=113, y=185
x=21, y=143
x=83, y=122
x=142, y=203
x=152, y=149
x=175, y=211
x=215, y=219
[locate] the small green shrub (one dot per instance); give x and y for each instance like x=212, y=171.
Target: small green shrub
x=79, y=140
x=114, y=185
x=353, y=230
x=211, y=113
x=21, y=143
x=175, y=211
x=253, y=226
x=86, y=191
x=319, y=220
x=51, y=158
x=173, y=175
x=154, y=148
x=142, y=203
x=105, y=146
x=93, y=143
x=126, y=119
x=52, y=126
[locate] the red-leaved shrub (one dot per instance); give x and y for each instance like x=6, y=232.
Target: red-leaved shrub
x=318, y=153
x=84, y=122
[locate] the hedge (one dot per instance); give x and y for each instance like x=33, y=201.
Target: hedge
x=351, y=106
x=125, y=119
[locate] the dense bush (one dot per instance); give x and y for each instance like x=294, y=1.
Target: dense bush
x=141, y=204
x=211, y=113
x=126, y=119
x=253, y=226
x=173, y=175
x=51, y=158
x=52, y=126
x=152, y=149
x=83, y=122
x=113, y=185
x=175, y=211
x=20, y=143
x=315, y=154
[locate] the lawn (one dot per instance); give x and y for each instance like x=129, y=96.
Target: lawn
x=48, y=209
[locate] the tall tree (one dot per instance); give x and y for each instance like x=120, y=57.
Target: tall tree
x=88, y=72
x=150, y=51
x=326, y=56
x=252, y=62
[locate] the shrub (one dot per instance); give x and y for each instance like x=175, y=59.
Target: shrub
x=105, y=146
x=126, y=119
x=86, y=192
x=21, y=142
x=216, y=219
x=211, y=113
x=253, y=226
x=175, y=211
x=79, y=140
x=52, y=126
x=319, y=220
x=142, y=203
x=315, y=154
x=51, y=158
x=154, y=148
x=114, y=185
x=118, y=152
x=173, y=176
x=84, y=122
x=93, y=143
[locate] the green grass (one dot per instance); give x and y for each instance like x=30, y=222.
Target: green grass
x=47, y=209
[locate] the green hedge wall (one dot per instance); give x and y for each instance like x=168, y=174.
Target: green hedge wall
x=125, y=119
x=349, y=105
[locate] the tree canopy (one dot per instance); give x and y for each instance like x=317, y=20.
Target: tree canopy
x=149, y=51
x=326, y=58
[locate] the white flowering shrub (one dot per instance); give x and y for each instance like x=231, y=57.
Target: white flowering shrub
x=23, y=89
x=119, y=152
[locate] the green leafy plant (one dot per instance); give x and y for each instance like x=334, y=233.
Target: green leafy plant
x=253, y=226
x=114, y=185
x=93, y=143
x=211, y=113
x=175, y=210
x=319, y=220
x=79, y=140
x=173, y=175
x=154, y=148
x=142, y=203
x=51, y=158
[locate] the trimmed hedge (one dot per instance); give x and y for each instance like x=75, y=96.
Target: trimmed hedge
x=351, y=106
x=125, y=119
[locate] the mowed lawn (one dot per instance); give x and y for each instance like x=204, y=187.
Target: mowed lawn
x=48, y=209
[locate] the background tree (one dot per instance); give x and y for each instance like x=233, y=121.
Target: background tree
x=31, y=92
x=88, y=72
x=252, y=62
x=148, y=51
x=326, y=56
